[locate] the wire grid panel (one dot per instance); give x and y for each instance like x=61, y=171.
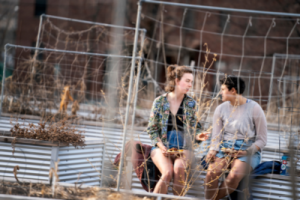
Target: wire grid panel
x=61, y=81
x=286, y=83
x=236, y=43
x=242, y=49
x=85, y=36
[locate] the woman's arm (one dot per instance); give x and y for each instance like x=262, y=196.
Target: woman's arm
x=217, y=130
x=153, y=128
x=261, y=129
x=216, y=136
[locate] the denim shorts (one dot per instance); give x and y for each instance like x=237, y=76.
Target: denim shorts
x=253, y=160
x=175, y=139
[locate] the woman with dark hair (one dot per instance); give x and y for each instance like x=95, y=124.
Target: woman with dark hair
x=239, y=134
x=173, y=127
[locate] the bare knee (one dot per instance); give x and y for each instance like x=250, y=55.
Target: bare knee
x=179, y=169
x=212, y=177
x=213, y=173
x=233, y=179
x=167, y=175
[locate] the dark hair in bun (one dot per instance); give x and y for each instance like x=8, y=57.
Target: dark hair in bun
x=174, y=72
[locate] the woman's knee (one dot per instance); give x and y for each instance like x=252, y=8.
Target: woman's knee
x=214, y=173
x=233, y=179
x=167, y=174
x=179, y=168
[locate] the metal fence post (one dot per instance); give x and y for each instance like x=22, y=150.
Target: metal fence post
x=271, y=83
x=37, y=44
x=138, y=20
x=3, y=78
x=102, y=167
x=138, y=79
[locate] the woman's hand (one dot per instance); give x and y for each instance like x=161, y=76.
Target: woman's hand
x=202, y=136
x=211, y=156
x=163, y=148
x=238, y=154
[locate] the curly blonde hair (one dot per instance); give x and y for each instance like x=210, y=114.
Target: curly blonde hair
x=174, y=72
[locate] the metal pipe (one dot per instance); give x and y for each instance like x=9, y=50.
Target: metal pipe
x=137, y=80
x=39, y=33
x=138, y=20
x=75, y=52
x=89, y=22
x=155, y=69
x=290, y=55
x=212, y=52
x=271, y=83
x=293, y=168
x=37, y=43
x=284, y=96
x=222, y=8
x=102, y=165
x=3, y=78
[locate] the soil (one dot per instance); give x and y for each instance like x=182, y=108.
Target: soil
x=63, y=192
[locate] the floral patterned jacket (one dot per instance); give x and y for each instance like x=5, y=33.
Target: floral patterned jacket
x=158, y=122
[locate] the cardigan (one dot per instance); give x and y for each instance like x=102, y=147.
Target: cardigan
x=158, y=121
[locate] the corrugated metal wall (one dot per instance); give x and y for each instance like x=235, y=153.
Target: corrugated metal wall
x=274, y=188
x=33, y=160
x=74, y=167
x=112, y=138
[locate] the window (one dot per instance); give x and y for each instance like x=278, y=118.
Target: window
x=189, y=21
x=223, y=19
x=40, y=7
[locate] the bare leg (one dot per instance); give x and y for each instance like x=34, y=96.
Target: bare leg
x=165, y=166
x=214, y=171
x=238, y=170
x=180, y=165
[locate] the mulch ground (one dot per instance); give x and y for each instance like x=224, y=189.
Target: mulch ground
x=63, y=192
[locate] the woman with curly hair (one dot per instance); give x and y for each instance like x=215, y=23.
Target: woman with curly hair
x=173, y=128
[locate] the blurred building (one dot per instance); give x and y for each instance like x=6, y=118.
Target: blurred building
x=8, y=28
x=30, y=11
x=185, y=23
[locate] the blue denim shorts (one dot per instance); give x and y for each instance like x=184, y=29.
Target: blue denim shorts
x=174, y=139
x=253, y=160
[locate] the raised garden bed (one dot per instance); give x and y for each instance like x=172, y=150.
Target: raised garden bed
x=35, y=159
